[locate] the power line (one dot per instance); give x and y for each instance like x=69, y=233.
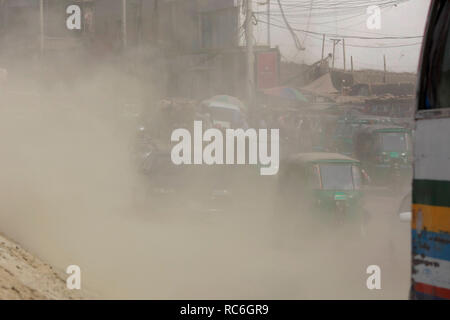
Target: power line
x=294, y=35
x=346, y=36
x=343, y=8
x=384, y=47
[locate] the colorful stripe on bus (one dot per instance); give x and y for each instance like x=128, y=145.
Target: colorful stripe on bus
x=431, y=239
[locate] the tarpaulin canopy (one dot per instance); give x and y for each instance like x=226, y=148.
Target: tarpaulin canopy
x=226, y=101
x=322, y=86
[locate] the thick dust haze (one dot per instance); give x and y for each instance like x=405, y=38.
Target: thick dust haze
x=68, y=187
x=73, y=193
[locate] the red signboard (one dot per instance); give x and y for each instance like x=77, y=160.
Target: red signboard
x=267, y=75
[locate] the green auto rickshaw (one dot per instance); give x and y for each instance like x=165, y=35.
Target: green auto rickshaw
x=385, y=152
x=326, y=185
x=348, y=126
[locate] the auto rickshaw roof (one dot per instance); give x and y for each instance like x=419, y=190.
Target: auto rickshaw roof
x=320, y=157
x=356, y=116
x=385, y=128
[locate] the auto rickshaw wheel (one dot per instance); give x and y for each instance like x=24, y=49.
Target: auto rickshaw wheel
x=340, y=213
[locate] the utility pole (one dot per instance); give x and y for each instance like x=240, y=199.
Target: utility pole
x=343, y=49
x=384, y=77
x=41, y=20
x=139, y=22
x=351, y=61
x=268, y=24
x=335, y=42
x=250, y=53
x=155, y=21
x=323, y=45
x=124, y=23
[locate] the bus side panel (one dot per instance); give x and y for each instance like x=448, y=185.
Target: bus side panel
x=431, y=210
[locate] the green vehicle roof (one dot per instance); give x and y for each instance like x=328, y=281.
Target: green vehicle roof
x=366, y=119
x=320, y=157
x=386, y=128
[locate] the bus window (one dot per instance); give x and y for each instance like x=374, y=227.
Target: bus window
x=314, y=177
x=434, y=93
x=443, y=95
x=357, y=178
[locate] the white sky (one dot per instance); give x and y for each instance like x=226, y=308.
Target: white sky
x=406, y=19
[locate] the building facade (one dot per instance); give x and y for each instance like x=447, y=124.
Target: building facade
x=194, y=43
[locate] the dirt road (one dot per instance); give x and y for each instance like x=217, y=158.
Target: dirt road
x=23, y=276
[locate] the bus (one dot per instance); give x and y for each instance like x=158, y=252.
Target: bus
x=430, y=276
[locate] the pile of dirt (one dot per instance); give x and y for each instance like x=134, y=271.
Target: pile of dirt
x=23, y=276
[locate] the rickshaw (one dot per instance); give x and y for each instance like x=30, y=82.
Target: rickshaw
x=385, y=152
x=328, y=185
x=170, y=186
x=350, y=124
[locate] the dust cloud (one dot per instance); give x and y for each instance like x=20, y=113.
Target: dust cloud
x=68, y=185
